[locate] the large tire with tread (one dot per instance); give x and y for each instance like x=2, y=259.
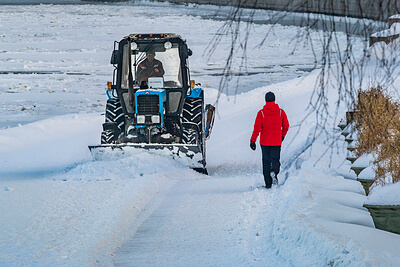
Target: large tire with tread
x=189, y=135
x=108, y=137
x=114, y=114
x=192, y=118
x=193, y=125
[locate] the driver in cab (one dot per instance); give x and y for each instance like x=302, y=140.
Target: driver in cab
x=150, y=67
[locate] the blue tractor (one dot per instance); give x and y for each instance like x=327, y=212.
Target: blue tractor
x=153, y=103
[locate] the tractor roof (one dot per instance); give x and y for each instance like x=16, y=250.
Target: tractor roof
x=152, y=36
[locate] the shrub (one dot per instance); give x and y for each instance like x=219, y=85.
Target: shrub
x=378, y=122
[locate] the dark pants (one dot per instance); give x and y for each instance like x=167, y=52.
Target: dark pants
x=271, y=162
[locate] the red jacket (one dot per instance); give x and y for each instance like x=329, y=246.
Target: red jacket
x=273, y=124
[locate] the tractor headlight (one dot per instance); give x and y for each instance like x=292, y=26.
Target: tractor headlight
x=155, y=119
x=140, y=119
x=168, y=45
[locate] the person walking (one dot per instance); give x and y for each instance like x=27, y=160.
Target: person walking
x=272, y=123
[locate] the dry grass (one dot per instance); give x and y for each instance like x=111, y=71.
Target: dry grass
x=378, y=122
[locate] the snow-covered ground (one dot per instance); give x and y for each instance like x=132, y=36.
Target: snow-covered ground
x=60, y=208
x=58, y=55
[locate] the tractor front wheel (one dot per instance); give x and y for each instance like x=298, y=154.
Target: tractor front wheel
x=114, y=123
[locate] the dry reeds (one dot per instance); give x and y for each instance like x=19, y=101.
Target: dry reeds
x=378, y=122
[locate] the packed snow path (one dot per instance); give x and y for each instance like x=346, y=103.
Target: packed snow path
x=197, y=222
x=193, y=225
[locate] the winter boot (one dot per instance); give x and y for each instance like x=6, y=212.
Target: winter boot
x=274, y=178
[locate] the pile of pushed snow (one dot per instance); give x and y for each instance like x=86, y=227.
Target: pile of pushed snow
x=36, y=147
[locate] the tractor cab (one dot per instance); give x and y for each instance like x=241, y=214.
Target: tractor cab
x=152, y=61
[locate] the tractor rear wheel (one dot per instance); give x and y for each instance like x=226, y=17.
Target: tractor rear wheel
x=193, y=124
x=192, y=120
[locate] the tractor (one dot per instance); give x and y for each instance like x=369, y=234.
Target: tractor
x=152, y=102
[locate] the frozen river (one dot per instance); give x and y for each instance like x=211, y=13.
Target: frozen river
x=55, y=58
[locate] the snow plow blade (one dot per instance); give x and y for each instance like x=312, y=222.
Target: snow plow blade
x=188, y=155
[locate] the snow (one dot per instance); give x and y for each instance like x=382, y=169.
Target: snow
x=22, y=149
x=345, y=171
x=384, y=195
x=367, y=174
x=59, y=207
x=393, y=30
x=363, y=161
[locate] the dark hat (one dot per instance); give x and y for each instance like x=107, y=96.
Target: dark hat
x=269, y=97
